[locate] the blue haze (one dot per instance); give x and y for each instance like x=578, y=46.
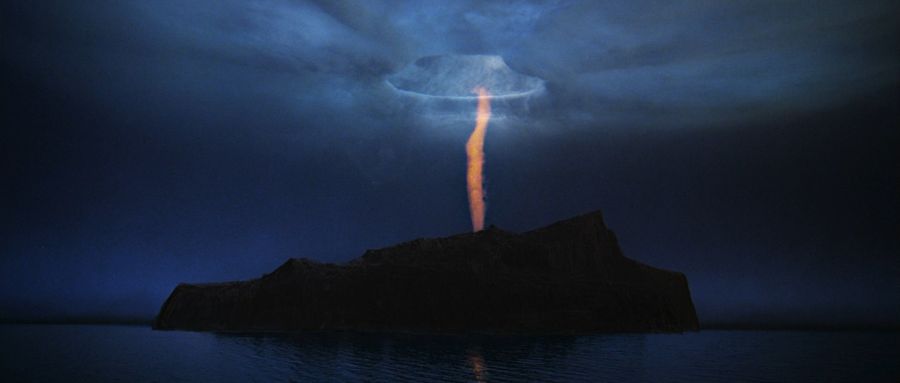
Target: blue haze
x=749, y=144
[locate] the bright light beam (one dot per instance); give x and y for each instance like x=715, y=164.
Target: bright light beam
x=475, y=154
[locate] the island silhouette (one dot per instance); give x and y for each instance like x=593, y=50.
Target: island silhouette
x=568, y=277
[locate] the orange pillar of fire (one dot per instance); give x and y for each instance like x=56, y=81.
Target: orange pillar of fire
x=475, y=154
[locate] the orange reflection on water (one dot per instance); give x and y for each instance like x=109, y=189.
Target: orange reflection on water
x=478, y=369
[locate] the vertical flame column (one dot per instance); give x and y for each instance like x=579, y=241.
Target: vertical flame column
x=475, y=154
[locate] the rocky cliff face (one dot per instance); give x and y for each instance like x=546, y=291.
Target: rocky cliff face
x=567, y=277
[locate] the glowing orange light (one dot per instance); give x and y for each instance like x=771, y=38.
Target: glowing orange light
x=478, y=369
x=475, y=154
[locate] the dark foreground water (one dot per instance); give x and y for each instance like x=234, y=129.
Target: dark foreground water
x=48, y=353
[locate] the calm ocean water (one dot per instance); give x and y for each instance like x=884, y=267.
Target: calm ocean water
x=57, y=353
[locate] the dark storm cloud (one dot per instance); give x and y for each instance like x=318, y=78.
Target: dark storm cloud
x=705, y=62
x=671, y=64
x=155, y=142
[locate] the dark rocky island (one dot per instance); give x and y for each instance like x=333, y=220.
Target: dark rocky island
x=570, y=276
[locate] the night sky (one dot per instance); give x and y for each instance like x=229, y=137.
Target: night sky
x=752, y=145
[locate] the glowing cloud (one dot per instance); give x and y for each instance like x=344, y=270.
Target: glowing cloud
x=454, y=77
